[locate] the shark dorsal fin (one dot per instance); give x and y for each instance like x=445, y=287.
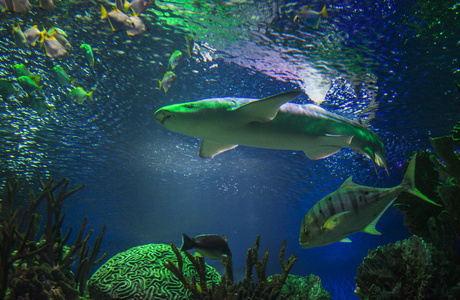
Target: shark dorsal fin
x=348, y=183
x=265, y=109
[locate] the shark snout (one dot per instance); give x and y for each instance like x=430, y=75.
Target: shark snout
x=162, y=115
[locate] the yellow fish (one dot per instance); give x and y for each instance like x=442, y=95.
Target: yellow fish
x=167, y=81
x=52, y=47
x=117, y=19
x=311, y=18
x=139, y=26
x=32, y=34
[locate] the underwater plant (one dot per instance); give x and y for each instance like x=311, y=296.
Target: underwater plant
x=263, y=288
x=425, y=266
x=41, y=268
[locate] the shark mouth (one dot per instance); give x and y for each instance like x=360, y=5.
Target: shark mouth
x=162, y=116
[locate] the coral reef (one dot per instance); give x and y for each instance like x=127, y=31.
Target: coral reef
x=426, y=266
x=139, y=273
x=437, y=175
x=33, y=268
x=271, y=288
x=304, y=288
x=409, y=269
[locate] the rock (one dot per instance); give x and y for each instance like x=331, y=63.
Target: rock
x=408, y=269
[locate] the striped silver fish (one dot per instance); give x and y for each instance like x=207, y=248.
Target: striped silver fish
x=350, y=209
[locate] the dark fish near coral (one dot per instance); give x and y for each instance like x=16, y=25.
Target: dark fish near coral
x=117, y=19
x=212, y=246
x=352, y=208
x=139, y=26
x=167, y=81
x=309, y=17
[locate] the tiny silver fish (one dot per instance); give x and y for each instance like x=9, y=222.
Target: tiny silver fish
x=352, y=208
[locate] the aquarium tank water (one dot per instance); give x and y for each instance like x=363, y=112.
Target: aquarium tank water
x=91, y=90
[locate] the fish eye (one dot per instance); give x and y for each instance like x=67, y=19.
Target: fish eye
x=189, y=106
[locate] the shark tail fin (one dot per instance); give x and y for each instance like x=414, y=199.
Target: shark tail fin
x=408, y=182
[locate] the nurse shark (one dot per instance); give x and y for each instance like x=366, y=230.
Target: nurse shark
x=271, y=122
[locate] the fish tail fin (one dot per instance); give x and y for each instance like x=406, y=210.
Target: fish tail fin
x=36, y=78
x=126, y=6
x=324, y=12
x=103, y=12
x=408, y=182
x=90, y=95
x=187, y=242
x=159, y=83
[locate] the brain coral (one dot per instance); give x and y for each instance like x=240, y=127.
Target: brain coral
x=138, y=273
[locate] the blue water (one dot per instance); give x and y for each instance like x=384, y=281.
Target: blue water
x=148, y=184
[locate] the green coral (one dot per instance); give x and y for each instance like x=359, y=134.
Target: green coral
x=303, y=288
x=437, y=175
x=139, y=273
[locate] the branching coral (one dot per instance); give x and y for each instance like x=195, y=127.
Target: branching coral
x=247, y=288
x=21, y=251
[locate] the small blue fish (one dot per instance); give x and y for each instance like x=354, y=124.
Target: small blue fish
x=309, y=17
x=212, y=246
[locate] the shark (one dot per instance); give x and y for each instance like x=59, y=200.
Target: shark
x=272, y=123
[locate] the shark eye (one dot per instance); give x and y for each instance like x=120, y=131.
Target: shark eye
x=189, y=106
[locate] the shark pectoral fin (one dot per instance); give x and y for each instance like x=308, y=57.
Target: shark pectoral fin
x=345, y=240
x=334, y=220
x=264, y=110
x=209, y=149
x=321, y=152
x=371, y=227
